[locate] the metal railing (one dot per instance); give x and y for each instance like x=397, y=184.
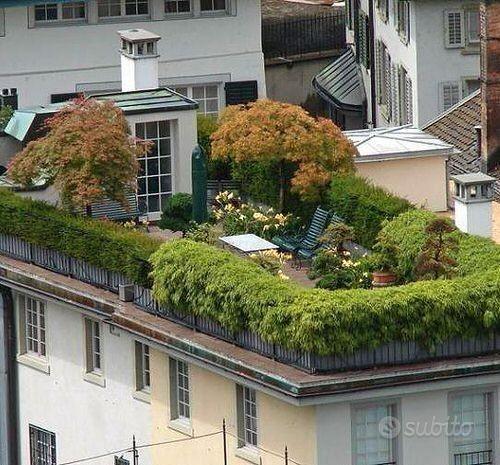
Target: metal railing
x=387, y=354
x=297, y=36
x=484, y=457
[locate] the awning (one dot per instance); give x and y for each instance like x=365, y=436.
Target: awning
x=341, y=84
x=19, y=125
x=12, y=3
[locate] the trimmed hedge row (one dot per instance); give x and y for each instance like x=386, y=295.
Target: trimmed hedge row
x=364, y=206
x=194, y=277
x=101, y=243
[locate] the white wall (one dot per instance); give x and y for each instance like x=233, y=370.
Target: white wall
x=436, y=63
x=87, y=419
x=40, y=61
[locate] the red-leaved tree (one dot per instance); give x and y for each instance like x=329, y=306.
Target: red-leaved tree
x=87, y=153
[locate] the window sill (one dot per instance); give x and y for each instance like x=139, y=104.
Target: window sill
x=215, y=14
x=123, y=19
x=95, y=378
x=174, y=16
x=38, y=363
x=471, y=50
x=59, y=23
x=181, y=425
x=143, y=396
x=248, y=453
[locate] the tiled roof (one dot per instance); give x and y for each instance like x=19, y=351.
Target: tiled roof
x=457, y=127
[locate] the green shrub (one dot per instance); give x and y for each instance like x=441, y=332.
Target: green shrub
x=5, y=115
x=197, y=278
x=177, y=213
x=364, y=206
x=217, y=169
x=100, y=243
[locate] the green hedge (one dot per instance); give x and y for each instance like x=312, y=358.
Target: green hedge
x=194, y=277
x=364, y=206
x=101, y=243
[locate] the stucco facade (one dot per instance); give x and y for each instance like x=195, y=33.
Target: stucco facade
x=41, y=60
x=422, y=181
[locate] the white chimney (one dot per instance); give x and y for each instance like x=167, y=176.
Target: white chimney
x=139, y=59
x=473, y=203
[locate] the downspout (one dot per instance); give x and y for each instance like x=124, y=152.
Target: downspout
x=11, y=385
x=373, y=82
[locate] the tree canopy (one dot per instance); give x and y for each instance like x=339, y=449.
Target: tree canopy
x=269, y=131
x=87, y=153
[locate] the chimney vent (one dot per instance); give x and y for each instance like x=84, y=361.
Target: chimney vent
x=139, y=59
x=473, y=201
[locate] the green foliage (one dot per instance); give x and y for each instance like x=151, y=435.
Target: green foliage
x=335, y=235
x=271, y=261
x=5, y=115
x=100, y=243
x=197, y=278
x=217, y=169
x=206, y=232
x=364, y=206
x=177, y=213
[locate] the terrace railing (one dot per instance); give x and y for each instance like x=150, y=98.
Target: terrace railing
x=297, y=36
x=387, y=354
x=484, y=457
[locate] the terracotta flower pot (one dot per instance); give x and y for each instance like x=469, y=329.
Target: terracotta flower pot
x=383, y=278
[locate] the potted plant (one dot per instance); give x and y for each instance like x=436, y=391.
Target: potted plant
x=385, y=262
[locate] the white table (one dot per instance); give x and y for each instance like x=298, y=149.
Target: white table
x=248, y=243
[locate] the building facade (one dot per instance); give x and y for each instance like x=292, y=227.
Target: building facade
x=51, y=51
x=418, y=58
x=93, y=371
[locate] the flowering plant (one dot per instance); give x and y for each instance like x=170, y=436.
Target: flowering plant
x=243, y=218
x=272, y=261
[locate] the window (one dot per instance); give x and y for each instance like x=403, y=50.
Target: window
x=60, y=11
x=405, y=91
x=116, y=8
x=247, y=416
x=207, y=97
x=402, y=19
x=173, y=7
x=472, y=442
x=450, y=95
x=155, y=177
x=42, y=446
x=454, y=28
x=349, y=13
x=142, y=370
x=370, y=446
x=473, y=26
x=384, y=81
x=383, y=9
x=93, y=346
x=213, y=5
x=470, y=85
x=363, y=38
x=32, y=322
x=179, y=390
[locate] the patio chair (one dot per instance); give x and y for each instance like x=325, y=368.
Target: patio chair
x=308, y=249
x=315, y=230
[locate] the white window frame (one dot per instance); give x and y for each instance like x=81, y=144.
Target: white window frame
x=226, y=10
x=458, y=38
x=466, y=91
x=167, y=157
x=402, y=19
x=180, y=394
x=33, y=326
x=142, y=367
x=123, y=12
x=390, y=410
x=405, y=93
x=456, y=448
x=42, y=447
x=190, y=94
x=247, y=411
x=442, y=97
x=383, y=10
x=60, y=18
x=468, y=16
x=178, y=13
x=94, y=360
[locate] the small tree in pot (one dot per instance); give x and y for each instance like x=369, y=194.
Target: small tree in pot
x=385, y=264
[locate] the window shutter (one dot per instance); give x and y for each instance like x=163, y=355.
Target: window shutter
x=241, y=92
x=388, y=89
x=368, y=39
x=172, y=371
x=378, y=69
x=450, y=95
x=395, y=94
x=409, y=100
x=454, y=29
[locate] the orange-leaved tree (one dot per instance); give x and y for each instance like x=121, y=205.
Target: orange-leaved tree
x=87, y=153
x=280, y=133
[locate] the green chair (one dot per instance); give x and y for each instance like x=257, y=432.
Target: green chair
x=310, y=238
x=308, y=249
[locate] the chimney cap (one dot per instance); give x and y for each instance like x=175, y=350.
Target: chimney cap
x=473, y=178
x=138, y=35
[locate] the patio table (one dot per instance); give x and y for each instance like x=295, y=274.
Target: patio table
x=247, y=243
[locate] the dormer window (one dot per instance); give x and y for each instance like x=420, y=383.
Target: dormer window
x=72, y=11
x=117, y=8
x=207, y=6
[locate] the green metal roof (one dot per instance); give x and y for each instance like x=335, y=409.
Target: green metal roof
x=341, y=84
x=25, y=121
x=13, y=3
